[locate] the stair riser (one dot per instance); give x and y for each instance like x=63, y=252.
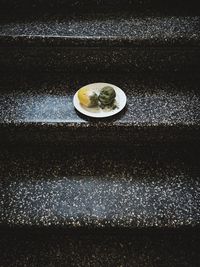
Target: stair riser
x=80, y=6
x=39, y=247
x=101, y=59
x=67, y=134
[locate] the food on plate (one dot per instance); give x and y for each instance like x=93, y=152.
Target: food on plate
x=107, y=97
x=103, y=98
x=88, y=97
x=99, y=100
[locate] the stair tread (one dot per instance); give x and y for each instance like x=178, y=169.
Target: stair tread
x=150, y=102
x=42, y=111
x=102, y=30
x=142, y=187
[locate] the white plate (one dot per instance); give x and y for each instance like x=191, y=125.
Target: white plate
x=100, y=113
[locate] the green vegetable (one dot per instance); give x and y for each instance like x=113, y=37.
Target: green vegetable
x=93, y=100
x=107, y=96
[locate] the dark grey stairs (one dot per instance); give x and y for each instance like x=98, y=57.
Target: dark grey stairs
x=102, y=42
x=23, y=7
x=122, y=191
x=99, y=248
x=145, y=186
x=38, y=108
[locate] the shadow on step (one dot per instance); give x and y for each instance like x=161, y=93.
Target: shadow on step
x=54, y=247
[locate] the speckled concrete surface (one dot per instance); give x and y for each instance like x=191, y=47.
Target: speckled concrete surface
x=149, y=30
x=61, y=59
x=138, y=187
x=101, y=248
x=83, y=6
x=79, y=193
x=103, y=43
x=43, y=111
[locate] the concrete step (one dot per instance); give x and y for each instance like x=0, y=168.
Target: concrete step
x=95, y=186
x=38, y=108
x=83, y=6
x=39, y=247
x=104, y=42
